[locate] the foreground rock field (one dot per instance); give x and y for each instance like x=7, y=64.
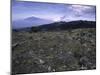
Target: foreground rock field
x=53, y=51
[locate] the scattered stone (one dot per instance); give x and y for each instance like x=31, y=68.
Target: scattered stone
x=41, y=61
x=49, y=68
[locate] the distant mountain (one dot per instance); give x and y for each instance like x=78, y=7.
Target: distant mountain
x=62, y=26
x=29, y=22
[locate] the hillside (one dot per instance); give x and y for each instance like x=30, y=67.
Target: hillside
x=67, y=25
x=67, y=50
x=58, y=26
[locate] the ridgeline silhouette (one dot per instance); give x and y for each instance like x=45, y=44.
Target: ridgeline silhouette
x=57, y=26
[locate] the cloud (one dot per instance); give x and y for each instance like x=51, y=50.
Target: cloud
x=65, y=12
x=80, y=10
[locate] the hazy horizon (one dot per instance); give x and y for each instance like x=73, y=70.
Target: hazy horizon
x=44, y=13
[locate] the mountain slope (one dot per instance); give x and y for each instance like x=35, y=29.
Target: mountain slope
x=56, y=26
x=66, y=25
x=29, y=22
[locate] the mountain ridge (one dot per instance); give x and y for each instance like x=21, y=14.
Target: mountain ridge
x=29, y=22
x=62, y=25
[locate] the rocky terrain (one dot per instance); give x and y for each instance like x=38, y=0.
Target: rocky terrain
x=53, y=51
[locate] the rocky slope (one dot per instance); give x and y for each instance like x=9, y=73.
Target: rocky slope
x=53, y=51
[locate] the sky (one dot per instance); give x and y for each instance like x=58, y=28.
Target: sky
x=52, y=11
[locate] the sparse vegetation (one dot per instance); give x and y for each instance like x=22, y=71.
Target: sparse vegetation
x=53, y=51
